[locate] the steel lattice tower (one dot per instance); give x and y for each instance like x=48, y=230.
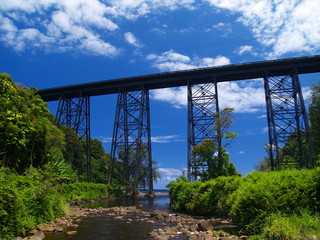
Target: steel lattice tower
x=289, y=135
x=75, y=114
x=131, y=142
x=202, y=111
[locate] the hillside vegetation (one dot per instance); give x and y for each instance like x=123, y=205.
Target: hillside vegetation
x=42, y=166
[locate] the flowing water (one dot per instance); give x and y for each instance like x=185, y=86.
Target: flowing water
x=101, y=226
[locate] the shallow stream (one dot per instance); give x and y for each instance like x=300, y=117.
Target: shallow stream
x=101, y=226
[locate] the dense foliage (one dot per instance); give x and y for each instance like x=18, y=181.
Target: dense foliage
x=314, y=115
x=28, y=136
x=85, y=190
x=40, y=163
x=210, y=159
x=212, y=162
x=297, y=226
x=26, y=201
x=254, y=202
x=204, y=198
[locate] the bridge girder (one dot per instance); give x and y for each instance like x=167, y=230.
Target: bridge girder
x=290, y=143
x=74, y=113
x=287, y=118
x=202, y=111
x=131, y=142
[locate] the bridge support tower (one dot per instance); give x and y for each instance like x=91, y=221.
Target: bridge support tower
x=74, y=113
x=131, y=142
x=289, y=135
x=203, y=109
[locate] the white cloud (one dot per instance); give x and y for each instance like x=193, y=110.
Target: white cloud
x=237, y=95
x=175, y=96
x=167, y=139
x=224, y=28
x=285, y=26
x=170, y=172
x=244, y=97
x=131, y=39
x=132, y=9
x=282, y=26
x=173, y=61
x=74, y=25
x=244, y=49
x=169, y=175
x=58, y=26
x=262, y=116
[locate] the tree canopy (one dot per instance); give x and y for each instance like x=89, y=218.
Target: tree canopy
x=314, y=116
x=211, y=156
x=28, y=135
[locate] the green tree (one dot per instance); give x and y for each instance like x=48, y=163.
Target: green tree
x=314, y=115
x=28, y=136
x=211, y=157
x=206, y=155
x=264, y=165
x=100, y=161
x=224, y=137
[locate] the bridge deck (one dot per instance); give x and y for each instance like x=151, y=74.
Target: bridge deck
x=234, y=72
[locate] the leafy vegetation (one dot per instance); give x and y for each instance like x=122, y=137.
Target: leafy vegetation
x=258, y=203
x=210, y=157
x=204, y=198
x=40, y=163
x=301, y=225
x=314, y=115
x=35, y=198
x=85, y=190
x=263, y=194
x=28, y=136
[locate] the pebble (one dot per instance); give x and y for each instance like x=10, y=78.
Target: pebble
x=71, y=233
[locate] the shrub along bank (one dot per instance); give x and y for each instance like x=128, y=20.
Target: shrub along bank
x=35, y=198
x=258, y=203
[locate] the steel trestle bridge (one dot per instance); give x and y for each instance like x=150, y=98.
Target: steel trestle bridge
x=131, y=143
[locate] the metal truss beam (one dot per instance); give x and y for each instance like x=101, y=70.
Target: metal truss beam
x=75, y=114
x=289, y=135
x=234, y=72
x=131, y=142
x=203, y=108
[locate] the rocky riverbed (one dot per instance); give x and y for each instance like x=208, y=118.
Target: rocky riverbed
x=166, y=225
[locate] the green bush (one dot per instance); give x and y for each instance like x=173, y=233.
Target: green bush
x=85, y=190
x=213, y=198
x=291, y=227
x=181, y=194
x=26, y=201
x=262, y=194
x=14, y=218
x=208, y=198
x=253, y=201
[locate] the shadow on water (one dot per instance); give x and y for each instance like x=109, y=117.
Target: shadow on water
x=101, y=226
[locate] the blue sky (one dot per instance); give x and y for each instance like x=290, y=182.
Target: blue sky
x=49, y=43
